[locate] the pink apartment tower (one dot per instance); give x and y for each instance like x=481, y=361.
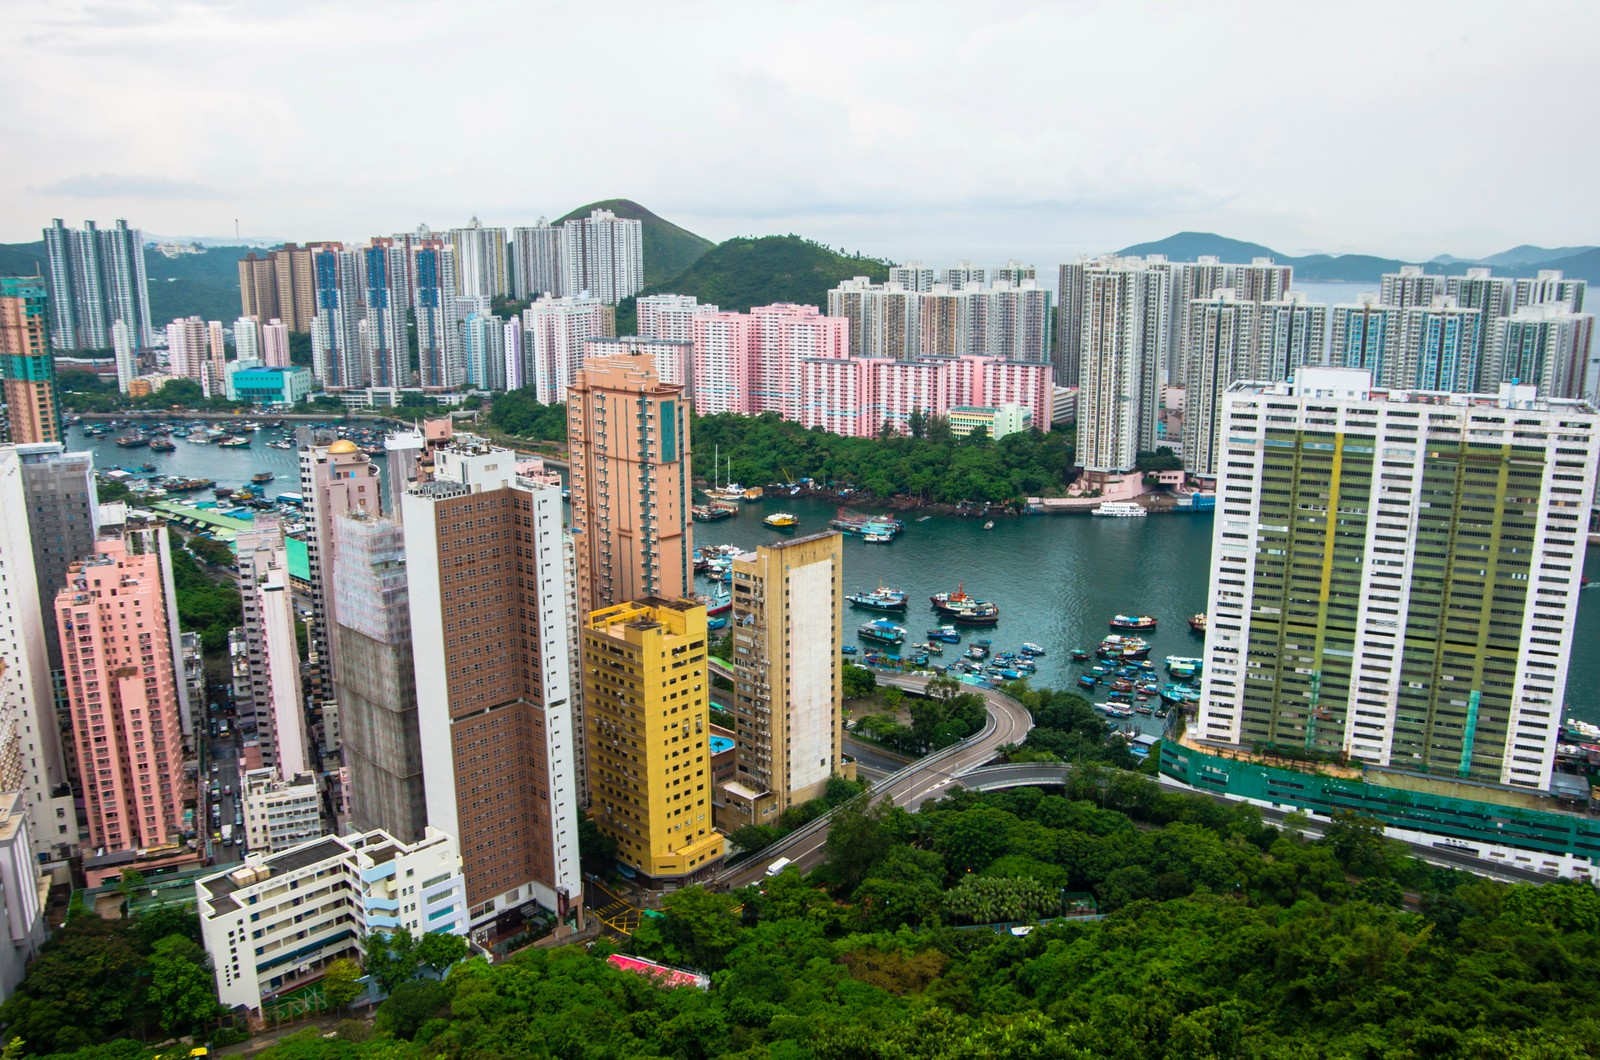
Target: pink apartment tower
x=113, y=620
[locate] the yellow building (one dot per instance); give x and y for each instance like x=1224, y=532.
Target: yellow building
x=788, y=623
x=646, y=694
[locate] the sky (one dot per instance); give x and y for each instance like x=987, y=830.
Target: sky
x=920, y=130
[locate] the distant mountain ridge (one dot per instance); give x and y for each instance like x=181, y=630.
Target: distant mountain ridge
x=1577, y=262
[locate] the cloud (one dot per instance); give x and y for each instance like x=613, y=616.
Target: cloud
x=127, y=186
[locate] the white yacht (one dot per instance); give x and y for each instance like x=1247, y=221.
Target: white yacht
x=1121, y=509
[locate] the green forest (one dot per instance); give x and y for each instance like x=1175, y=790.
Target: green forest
x=1222, y=937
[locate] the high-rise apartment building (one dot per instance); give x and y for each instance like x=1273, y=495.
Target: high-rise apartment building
x=280, y=812
x=669, y=316
x=113, y=618
x=628, y=436
x=335, y=477
x=480, y=255
x=97, y=277
x=1395, y=574
x=536, y=262
x=31, y=752
x=1547, y=346
x=247, y=339
x=1290, y=333
x=1492, y=296
x=377, y=686
x=22, y=894
x=721, y=362
x=483, y=349
x=188, y=354
x=1549, y=286
x=553, y=334
x=1439, y=348
x=271, y=696
x=1220, y=347
x=781, y=336
x=1009, y=319
x=602, y=257
x=440, y=363
x=1366, y=335
x=385, y=341
x=788, y=623
x=1123, y=336
x=275, y=344
x=27, y=365
x=1410, y=286
x=339, y=347
x=125, y=352
x=673, y=358
x=913, y=276
x=646, y=695
x=258, y=287
x=280, y=284
x=489, y=632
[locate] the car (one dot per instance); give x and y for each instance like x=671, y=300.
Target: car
x=227, y=789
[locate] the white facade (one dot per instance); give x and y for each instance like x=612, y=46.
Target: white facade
x=1549, y=286
x=1410, y=286
x=187, y=351
x=1010, y=318
x=536, y=261
x=126, y=354
x=553, y=334
x=1546, y=345
x=673, y=358
x=273, y=657
x=280, y=813
x=602, y=257
x=278, y=920
x=669, y=316
x=247, y=339
x=1124, y=335
x=23, y=893
x=1218, y=348
x=275, y=344
x=480, y=255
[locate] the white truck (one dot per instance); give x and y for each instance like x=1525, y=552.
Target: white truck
x=227, y=835
x=777, y=866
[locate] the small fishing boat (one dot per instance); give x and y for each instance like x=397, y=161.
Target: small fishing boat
x=877, y=539
x=234, y=441
x=1197, y=624
x=782, y=520
x=989, y=525
x=132, y=441
x=883, y=631
x=162, y=444
x=880, y=599
x=1079, y=655
x=262, y=476
x=1136, y=623
x=948, y=634
x=1034, y=649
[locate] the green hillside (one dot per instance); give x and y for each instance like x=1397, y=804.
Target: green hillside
x=204, y=285
x=668, y=249
x=22, y=259
x=745, y=272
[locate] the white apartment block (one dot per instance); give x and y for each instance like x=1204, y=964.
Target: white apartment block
x=1218, y=349
x=669, y=316
x=1410, y=286
x=1123, y=335
x=188, y=351
x=1549, y=286
x=1396, y=573
x=279, y=920
x=480, y=255
x=673, y=358
x=1008, y=318
x=536, y=266
x=1546, y=345
x=279, y=813
x=554, y=331
x=272, y=655
x=602, y=257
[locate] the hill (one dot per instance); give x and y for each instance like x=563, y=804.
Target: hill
x=1531, y=255
x=1187, y=246
x=746, y=271
x=22, y=259
x=668, y=249
x=204, y=284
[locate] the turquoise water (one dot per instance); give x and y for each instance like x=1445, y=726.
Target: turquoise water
x=720, y=744
x=1057, y=578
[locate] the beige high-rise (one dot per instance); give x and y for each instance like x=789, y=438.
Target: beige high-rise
x=788, y=622
x=630, y=480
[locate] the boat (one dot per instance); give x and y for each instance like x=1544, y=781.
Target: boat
x=848, y=649
x=1080, y=655
x=199, y=436
x=1183, y=667
x=933, y=647
x=1178, y=694
x=1197, y=624
x=233, y=441
x=281, y=443
x=883, y=631
x=989, y=525
x=977, y=615
x=163, y=444
x=132, y=441
x=187, y=485
x=262, y=476
x=877, y=539
x=1032, y=648
x=855, y=523
x=1137, y=623
x=1121, y=510
x=948, y=634
x=1123, y=647
x=714, y=511
x=924, y=518
x=1088, y=680
x=950, y=603
x=754, y=493
x=880, y=599
x=782, y=520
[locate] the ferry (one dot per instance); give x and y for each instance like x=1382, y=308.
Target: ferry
x=1137, y=623
x=880, y=599
x=782, y=520
x=163, y=444
x=262, y=476
x=1197, y=624
x=883, y=631
x=1121, y=510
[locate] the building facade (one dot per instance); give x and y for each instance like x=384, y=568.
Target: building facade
x=1547, y=345
x=335, y=477
x=646, y=702
x=27, y=366
x=279, y=812
x=271, y=695
x=602, y=257
x=1396, y=573
x=97, y=277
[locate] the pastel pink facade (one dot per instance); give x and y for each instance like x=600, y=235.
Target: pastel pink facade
x=116, y=648
x=721, y=363
x=780, y=337
x=857, y=396
x=275, y=344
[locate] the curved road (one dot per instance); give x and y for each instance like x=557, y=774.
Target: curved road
x=928, y=778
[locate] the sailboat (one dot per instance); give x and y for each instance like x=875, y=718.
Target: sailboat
x=730, y=492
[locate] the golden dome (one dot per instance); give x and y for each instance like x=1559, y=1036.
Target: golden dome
x=342, y=446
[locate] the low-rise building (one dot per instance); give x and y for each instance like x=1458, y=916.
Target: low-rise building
x=269, y=385
x=277, y=921
x=22, y=895
x=998, y=420
x=279, y=814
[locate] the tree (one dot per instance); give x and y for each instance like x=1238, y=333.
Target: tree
x=857, y=838
x=596, y=849
x=391, y=958
x=701, y=925
x=438, y=951
x=210, y=550
x=340, y=983
x=858, y=681
x=181, y=988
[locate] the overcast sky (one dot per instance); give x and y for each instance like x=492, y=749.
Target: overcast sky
x=981, y=130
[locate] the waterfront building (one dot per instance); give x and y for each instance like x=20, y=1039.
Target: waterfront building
x=669, y=316
x=335, y=477
x=721, y=360
x=275, y=344
x=377, y=685
x=554, y=331
x=1220, y=347
x=383, y=322
x=996, y=421
x=1069, y=323
x=630, y=474
x=268, y=386
x=1123, y=337
x=116, y=620
x=646, y=702
x=602, y=257
x=279, y=811
x=1438, y=643
x=1492, y=296
x=788, y=625
x=780, y=336
x=270, y=697
x=187, y=353
x=480, y=255
x=125, y=352
x=32, y=758
x=97, y=277
x=1439, y=348
x=1366, y=335
x=339, y=346
x=489, y=628
x=1186, y=282
x=1546, y=345
x=27, y=366
x=859, y=396
x=1290, y=333
x=276, y=921
x=1411, y=286
x=536, y=261
x=1549, y=286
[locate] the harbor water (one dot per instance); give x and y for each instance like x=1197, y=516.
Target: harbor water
x=1058, y=579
